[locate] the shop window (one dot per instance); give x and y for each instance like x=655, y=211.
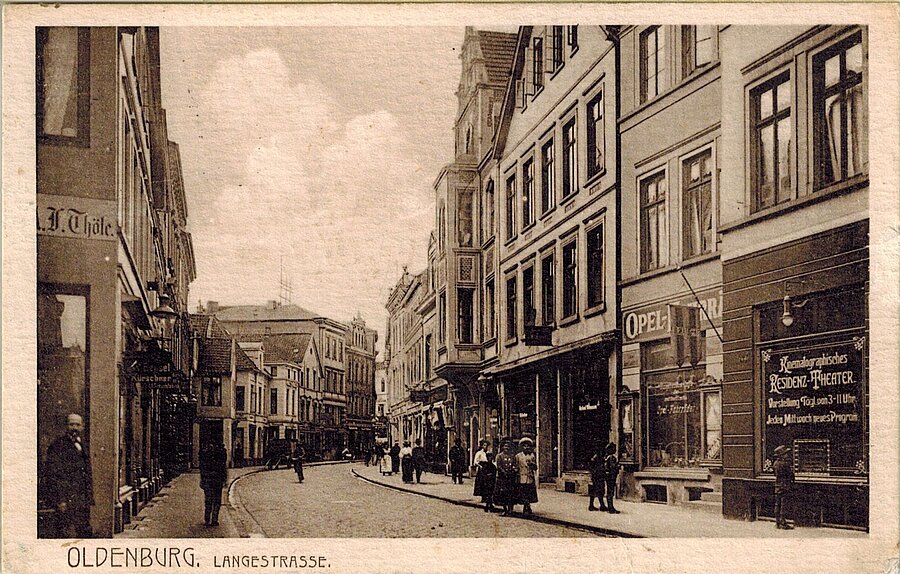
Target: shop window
x=211, y=391
x=771, y=132
x=570, y=279
x=548, y=182
x=511, y=207
x=595, y=283
x=654, y=222
x=626, y=430
x=839, y=112
x=521, y=406
x=697, y=236
x=654, y=79
x=465, y=324
x=512, y=327
x=570, y=158
x=528, y=310
x=697, y=47
x=63, y=84
x=548, y=289
x=596, y=136
x=63, y=364
x=527, y=193
x=240, y=399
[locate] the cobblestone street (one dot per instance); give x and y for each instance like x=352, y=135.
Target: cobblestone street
x=332, y=503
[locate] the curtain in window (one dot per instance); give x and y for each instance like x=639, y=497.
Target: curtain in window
x=61, y=82
x=852, y=98
x=700, y=220
x=713, y=419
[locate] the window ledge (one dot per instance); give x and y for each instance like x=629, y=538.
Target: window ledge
x=511, y=240
x=569, y=320
x=548, y=213
x=510, y=342
x=595, y=310
x=595, y=179
x=700, y=474
x=537, y=92
x=490, y=342
x=569, y=198
x=823, y=194
x=647, y=275
x=528, y=228
x=558, y=69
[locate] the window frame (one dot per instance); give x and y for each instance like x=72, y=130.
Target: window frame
x=557, y=57
x=512, y=303
x=569, y=158
x=783, y=76
x=660, y=57
x=528, y=218
x=548, y=176
x=572, y=38
x=596, y=274
x=658, y=174
x=511, y=194
x=569, y=280
x=537, y=65
x=686, y=188
x=528, y=297
x=598, y=101
x=465, y=324
x=689, y=52
x=548, y=287
x=83, y=96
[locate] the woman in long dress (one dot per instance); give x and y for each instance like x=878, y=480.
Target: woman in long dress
x=406, y=462
x=527, y=464
x=506, y=487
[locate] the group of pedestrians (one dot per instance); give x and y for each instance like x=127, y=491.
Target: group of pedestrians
x=507, y=479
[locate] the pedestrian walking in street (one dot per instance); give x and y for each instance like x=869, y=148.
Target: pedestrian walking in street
x=598, y=479
x=213, y=472
x=480, y=456
x=299, y=455
x=506, y=486
x=458, y=460
x=611, y=468
x=527, y=465
x=784, y=483
x=68, y=482
x=395, y=458
x=485, y=480
x=406, y=462
x=419, y=460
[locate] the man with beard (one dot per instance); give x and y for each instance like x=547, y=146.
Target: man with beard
x=69, y=484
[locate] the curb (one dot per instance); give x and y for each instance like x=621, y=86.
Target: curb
x=242, y=516
x=533, y=517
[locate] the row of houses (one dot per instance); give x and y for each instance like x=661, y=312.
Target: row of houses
x=655, y=236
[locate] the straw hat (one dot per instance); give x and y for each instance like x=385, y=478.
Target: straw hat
x=782, y=449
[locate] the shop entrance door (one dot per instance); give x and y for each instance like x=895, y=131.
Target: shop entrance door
x=590, y=411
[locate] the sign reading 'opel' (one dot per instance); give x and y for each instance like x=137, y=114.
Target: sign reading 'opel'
x=652, y=322
x=76, y=217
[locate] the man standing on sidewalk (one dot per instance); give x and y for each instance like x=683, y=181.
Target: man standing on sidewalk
x=69, y=484
x=213, y=472
x=458, y=461
x=418, y=460
x=784, y=482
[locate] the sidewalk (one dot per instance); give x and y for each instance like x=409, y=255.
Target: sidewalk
x=177, y=511
x=636, y=519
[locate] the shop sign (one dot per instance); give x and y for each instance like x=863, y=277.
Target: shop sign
x=813, y=404
x=652, y=321
x=76, y=217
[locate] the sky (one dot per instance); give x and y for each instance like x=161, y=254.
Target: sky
x=315, y=149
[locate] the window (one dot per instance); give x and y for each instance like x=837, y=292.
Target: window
x=489, y=210
x=570, y=279
x=511, y=207
x=653, y=62
x=240, y=401
x=512, y=327
x=465, y=328
x=595, y=281
x=211, y=391
x=427, y=359
x=537, y=64
x=442, y=318
x=273, y=401
x=570, y=159
x=697, y=49
x=63, y=84
x=548, y=289
x=839, y=121
x=527, y=193
x=596, y=136
x=696, y=218
x=771, y=113
x=548, y=187
x=465, y=218
x=490, y=328
x=556, y=47
x=654, y=227
x=528, y=310
x=572, y=38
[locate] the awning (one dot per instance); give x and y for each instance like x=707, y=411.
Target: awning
x=606, y=338
x=135, y=309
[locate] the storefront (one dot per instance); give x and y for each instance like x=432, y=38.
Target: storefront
x=807, y=358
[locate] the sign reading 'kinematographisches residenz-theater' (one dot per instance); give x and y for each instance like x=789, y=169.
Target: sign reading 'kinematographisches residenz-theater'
x=813, y=403
x=76, y=217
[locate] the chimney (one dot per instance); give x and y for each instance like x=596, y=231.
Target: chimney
x=212, y=307
x=272, y=305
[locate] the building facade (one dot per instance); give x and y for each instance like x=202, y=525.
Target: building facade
x=360, y=376
x=114, y=261
x=795, y=269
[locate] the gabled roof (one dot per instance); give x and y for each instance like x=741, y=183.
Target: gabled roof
x=215, y=357
x=286, y=348
x=242, y=313
x=498, y=49
x=244, y=362
x=509, y=100
x=206, y=326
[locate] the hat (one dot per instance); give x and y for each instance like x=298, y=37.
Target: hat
x=780, y=450
x=525, y=440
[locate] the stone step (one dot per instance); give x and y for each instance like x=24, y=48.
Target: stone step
x=712, y=497
x=704, y=506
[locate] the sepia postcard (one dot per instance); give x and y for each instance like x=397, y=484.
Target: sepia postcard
x=450, y=288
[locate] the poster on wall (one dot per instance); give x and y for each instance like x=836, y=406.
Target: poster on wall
x=814, y=404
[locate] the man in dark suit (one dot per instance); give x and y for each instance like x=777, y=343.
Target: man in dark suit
x=70, y=487
x=784, y=483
